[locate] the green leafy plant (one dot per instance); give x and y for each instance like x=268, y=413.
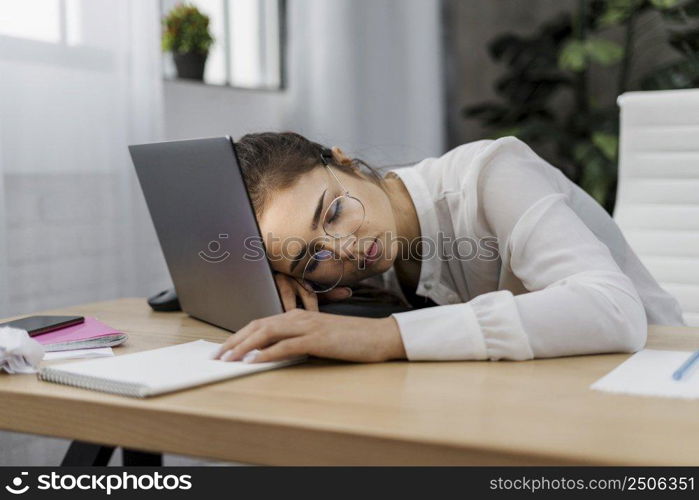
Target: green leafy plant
x=186, y=30
x=544, y=94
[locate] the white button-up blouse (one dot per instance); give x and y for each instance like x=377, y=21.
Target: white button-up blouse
x=521, y=262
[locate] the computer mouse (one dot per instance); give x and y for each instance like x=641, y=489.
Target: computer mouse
x=165, y=301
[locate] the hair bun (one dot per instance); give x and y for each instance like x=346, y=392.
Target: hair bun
x=326, y=155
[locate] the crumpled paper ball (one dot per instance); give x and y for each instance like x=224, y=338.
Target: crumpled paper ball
x=19, y=353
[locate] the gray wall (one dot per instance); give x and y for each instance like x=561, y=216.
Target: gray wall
x=470, y=72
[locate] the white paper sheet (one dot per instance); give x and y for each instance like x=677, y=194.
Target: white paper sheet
x=100, y=352
x=649, y=373
x=19, y=353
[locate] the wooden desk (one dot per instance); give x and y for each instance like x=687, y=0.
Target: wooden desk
x=485, y=413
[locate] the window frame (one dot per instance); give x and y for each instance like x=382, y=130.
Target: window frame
x=58, y=53
x=282, y=10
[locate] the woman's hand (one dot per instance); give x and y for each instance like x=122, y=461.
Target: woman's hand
x=298, y=331
x=290, y=288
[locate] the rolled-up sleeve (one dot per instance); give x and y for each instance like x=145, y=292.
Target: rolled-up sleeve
x=578, y=300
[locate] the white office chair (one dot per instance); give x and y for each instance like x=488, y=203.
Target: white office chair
x=657, y=204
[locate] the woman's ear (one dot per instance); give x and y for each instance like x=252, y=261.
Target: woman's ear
x=340, y=156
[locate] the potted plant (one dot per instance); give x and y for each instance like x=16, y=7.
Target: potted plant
x=557, y=60
x=186, y=34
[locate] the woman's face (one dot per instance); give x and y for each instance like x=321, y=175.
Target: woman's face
x=292, y=226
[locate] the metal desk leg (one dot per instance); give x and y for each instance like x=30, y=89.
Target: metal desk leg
x=81, y=453
x=141, y=458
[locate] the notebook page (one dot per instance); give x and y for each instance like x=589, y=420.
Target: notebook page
x=166, y=369
x=649, y=373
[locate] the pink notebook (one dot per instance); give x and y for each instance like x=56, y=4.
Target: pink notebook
x=89, y=334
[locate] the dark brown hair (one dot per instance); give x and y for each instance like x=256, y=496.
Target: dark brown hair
x=276, y=160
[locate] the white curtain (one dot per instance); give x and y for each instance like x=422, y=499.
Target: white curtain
x=73, y=225
x=367, y=75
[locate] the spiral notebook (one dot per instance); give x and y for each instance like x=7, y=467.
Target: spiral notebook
x=157, y=371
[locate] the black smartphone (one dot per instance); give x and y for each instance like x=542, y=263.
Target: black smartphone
x=36, y=325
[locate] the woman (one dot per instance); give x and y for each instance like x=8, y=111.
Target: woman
x=519, y=262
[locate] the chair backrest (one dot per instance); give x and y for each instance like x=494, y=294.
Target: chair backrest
x=657, y=204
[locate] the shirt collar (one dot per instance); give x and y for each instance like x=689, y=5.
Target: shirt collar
x=426, y=213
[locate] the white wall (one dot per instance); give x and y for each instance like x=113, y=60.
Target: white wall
x=364, y=75
x=197, y=110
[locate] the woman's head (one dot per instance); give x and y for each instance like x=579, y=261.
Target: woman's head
x=291, y=184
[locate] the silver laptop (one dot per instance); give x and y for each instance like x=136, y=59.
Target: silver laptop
x=209, y=235
x=202, y=215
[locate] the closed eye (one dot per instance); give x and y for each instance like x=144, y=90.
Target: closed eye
x=336, y=210
x=316, y=259
x=312, y=265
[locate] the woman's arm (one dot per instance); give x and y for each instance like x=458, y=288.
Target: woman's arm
x=299, y=331
x=579, y=301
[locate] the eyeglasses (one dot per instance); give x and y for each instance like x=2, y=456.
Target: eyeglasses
x=343, y=217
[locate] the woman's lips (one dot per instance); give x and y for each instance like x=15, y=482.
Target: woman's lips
x=372, y=253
